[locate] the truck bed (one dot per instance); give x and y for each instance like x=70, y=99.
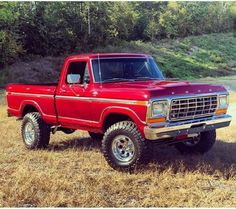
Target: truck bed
x=21, y=96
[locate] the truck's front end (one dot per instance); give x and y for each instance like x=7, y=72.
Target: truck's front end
x=185, y=118
x=168, y=112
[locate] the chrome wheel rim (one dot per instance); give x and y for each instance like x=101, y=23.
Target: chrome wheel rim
x=193, y=141
x=29, y=133
x=123, y=148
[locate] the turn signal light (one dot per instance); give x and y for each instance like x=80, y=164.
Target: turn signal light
x=221, y=111
x=156, y=120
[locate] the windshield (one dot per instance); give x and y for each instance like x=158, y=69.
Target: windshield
x=125, y=69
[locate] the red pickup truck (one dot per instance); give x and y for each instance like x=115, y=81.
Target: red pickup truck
x=123, y=99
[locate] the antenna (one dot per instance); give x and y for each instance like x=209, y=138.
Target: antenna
x=100, y=72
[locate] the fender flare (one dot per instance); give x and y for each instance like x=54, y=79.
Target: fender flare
x=121, y=110
x=31, y=103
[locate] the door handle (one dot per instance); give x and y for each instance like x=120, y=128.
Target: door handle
x=63, y=90
x=95, y=93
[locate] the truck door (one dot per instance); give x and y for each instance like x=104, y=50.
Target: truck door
x=72, y=102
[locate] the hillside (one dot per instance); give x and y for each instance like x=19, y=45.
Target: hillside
x=192, y=57
x=211, y=55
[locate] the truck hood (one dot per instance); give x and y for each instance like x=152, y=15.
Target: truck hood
x=153, y=89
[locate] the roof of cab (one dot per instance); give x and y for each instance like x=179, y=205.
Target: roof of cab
x=100, y=55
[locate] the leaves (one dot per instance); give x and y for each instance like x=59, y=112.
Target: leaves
x=56, y=28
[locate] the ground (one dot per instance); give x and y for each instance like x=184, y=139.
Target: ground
x=73, y=172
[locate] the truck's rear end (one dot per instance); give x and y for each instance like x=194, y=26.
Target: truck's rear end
x=23, y=98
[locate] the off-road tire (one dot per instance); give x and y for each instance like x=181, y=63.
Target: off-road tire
x=41, y=131
x=141, y=153
x=206, y=142
x=96, y=136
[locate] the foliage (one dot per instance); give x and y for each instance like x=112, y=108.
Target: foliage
x=191, y=57
x=58, y=28
x=233, y=15
x=10, y=48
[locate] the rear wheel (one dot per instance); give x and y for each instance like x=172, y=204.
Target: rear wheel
x=35, y=132
x=198, y=145
x=123, y=146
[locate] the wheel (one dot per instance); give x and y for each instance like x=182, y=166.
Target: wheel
x=96, y=136
x=198, y=145
x=35, y=132
x=123, y=146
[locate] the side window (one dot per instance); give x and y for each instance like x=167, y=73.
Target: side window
x=78, y=68
x=86, y=75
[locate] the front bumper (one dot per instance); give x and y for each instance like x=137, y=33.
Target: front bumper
x=174, y=129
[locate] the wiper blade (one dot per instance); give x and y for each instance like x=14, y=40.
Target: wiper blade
x=145, y=78
x=116, y=80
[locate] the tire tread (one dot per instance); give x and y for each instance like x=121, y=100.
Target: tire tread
x=42, y=130
x=143, y=154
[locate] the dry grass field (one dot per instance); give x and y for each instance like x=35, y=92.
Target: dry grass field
x=73, y=172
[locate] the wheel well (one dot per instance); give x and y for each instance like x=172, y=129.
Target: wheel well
x=28, y=109
x=114, y=118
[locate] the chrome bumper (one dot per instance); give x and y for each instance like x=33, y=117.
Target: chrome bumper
x=173, y=129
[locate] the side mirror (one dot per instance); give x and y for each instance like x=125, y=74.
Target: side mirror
x=73, y=78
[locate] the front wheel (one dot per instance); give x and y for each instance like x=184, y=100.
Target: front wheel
x=123, y=146
x=35, y=132
x=198, y=145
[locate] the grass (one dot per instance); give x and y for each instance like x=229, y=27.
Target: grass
x=73, y=172
x=192, y=57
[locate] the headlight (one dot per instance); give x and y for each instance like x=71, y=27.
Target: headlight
x=223, y=102
x=159, y=108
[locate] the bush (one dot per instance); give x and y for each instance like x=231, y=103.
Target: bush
x=10, y=49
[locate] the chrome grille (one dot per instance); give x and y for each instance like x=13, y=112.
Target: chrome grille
x=195, y=107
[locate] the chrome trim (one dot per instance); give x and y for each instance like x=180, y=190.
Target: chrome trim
x=170, y=98
x=121, y=101
x=31, y=94
x=178, y=112
x=173, y=129
x=123, y=148
x=91, y=68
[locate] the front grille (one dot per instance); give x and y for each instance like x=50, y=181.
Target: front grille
x=195, y=107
